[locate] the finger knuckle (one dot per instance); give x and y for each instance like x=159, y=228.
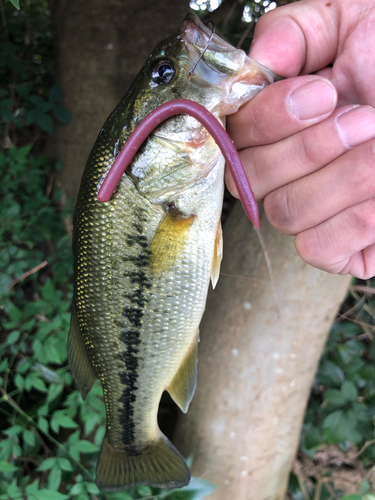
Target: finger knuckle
x=308, y=153
x=278, y=210
x=362, y=217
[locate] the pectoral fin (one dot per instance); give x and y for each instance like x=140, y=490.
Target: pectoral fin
x=170, y=239
x=78, y=359
x=182, y=386
x=217, y=257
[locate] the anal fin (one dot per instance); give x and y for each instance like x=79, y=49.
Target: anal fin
x=182, y=386
x=217, y=257
x=78, y=359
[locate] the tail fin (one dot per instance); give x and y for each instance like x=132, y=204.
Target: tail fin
x=158, y=464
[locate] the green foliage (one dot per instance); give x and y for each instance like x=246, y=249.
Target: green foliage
x=342, y=403
x=341, y=408
x=29, y=102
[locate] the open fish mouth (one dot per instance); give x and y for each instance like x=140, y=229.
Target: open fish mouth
x=217, y=63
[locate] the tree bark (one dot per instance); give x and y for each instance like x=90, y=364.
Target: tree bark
x=101, y=46
x=258, y=354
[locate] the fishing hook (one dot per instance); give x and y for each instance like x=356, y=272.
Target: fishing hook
x=191, y=72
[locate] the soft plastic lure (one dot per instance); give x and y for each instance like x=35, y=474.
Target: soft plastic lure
x=207, y=119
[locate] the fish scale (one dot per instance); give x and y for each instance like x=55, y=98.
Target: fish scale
x=143, y=260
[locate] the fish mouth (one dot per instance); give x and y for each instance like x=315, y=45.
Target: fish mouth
x=219, y=55
x=214, y=62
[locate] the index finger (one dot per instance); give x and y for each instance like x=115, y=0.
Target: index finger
x=298, y=38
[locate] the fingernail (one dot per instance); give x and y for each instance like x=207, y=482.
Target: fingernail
x=312, y=100
x=356, y=126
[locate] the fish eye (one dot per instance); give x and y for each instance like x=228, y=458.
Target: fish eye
x=163, y=71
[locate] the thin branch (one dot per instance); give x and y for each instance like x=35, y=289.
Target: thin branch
x=364, y=289
x=28, y=273
x=245, y=33
x=366, y=445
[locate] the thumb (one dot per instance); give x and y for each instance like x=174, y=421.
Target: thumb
x=298, y=38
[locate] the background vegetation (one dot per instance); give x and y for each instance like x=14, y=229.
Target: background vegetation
x=50, y=437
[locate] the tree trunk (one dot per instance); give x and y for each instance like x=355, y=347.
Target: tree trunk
x=258, y=354
x=101, y=46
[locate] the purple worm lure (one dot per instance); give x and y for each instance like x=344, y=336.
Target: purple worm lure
x=200, y=113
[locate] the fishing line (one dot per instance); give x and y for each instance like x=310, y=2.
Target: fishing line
x=191, y=72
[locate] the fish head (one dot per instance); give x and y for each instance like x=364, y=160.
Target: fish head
x=198, y=65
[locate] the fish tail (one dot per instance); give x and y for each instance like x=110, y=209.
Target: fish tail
x=157, y=464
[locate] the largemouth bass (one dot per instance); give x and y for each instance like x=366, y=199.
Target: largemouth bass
x=143, y=260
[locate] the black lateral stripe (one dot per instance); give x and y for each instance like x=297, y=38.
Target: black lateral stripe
x=133, y=314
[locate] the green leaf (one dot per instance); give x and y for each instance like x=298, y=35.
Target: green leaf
x=39, y=384
x=367, y=372
x=349, y=391
x=56, y=94
x=339, y=426
x=334, y=397
x=43, y=424
x=7, y=467
x=60, y=419
x=352, y=497
x=19, y=381
x=198, y=489
x=53, y=391
x=43, y=107
x=16, y=3
x=48, y=464
x=13, y=490
x=92, y=488
x=145, y=491
x=313, y=437
x=54, y=478
x=23, y=89
x=65, y=464
x=13, y=431
x=62, y=114
x=67, y=422
x=120, y=495
x=49, y=495
x=33, y=487
x=76, y=489
x=86, y=446
x=44, y=121
x=29, y=437
x=13, y=337
x=330, y=374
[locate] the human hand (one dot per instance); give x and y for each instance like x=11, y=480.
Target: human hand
x=311, y=162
